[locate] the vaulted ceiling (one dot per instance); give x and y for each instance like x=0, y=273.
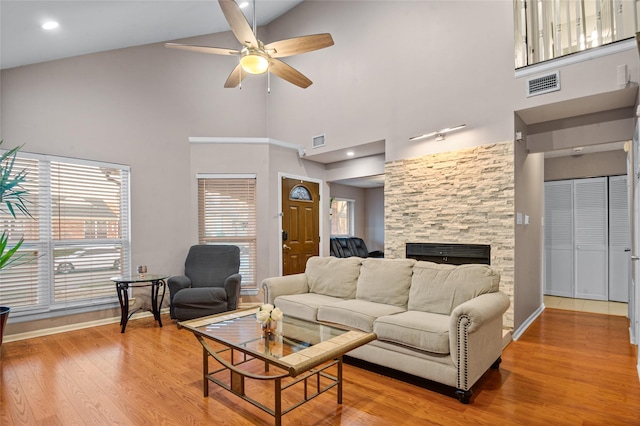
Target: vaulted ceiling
x=94, y=25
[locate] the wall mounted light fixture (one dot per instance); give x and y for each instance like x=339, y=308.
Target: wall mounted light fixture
x=439, y=134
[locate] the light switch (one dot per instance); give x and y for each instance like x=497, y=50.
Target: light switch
x=518, y=218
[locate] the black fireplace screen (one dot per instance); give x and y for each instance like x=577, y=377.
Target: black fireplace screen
x=454, y=254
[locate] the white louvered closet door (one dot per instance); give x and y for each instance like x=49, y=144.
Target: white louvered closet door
x=619, y=239
x=591, y=235
x=558, y=238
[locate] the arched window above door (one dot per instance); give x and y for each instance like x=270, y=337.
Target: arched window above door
x=299, y=192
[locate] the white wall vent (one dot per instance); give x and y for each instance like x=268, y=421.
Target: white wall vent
x=543, y=84
x=318, y=141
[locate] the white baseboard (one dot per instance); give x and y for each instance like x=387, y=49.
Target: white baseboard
x=517, y=333
x=78, y=326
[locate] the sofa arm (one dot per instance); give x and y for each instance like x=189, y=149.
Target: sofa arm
x=280, y=286
x=232, y=288
x=176, y=283
x=475, y=336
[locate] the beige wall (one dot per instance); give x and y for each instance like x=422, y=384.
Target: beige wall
x=609, y=163
x=529, y=238
x=464, y=196
x=372, y=165
x=580, y=79
x=398, y=70
x=135, y=106
x=374, y=215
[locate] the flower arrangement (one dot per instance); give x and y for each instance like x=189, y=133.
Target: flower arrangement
x=268, y=313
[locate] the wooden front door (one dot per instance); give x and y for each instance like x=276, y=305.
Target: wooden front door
x=300, y=224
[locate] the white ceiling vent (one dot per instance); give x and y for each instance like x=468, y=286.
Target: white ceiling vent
x=544, y=84
x=317, y=141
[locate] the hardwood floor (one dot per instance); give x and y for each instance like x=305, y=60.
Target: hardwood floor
x=569, y=368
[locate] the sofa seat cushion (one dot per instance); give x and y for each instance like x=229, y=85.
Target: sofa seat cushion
x=420, y=330
x=332, y=276
x=385, y=281
x=440, y=288
x=304, y=306
x=355, y=313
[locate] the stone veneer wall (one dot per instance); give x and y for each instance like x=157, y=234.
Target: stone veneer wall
x=464, y=196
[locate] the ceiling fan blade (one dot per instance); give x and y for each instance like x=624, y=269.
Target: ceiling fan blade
x=297, y=45
x=235, y=77
x=287, y=72
x=238, y=23
x=202, y=49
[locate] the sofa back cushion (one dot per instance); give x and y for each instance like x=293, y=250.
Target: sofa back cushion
x=332, y=276
x=439, y=288
x=385, y=281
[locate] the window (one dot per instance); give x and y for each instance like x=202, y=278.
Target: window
x=227, y=215
x=300, y=193
x=547, y=29
x=342, y=213
x=77, y=239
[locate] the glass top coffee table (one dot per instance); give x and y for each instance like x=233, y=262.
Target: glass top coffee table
x=299, y=353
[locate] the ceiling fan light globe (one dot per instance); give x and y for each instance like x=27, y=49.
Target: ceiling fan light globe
x=254, y=64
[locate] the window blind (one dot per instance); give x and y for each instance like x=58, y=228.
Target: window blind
x=227, y=215
x=19, y=283
x=76, y=240
x=86, y=229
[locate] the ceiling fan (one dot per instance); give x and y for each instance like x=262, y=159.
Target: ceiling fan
x=257, y=57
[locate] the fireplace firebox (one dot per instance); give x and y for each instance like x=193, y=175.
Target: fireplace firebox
x=454, y=254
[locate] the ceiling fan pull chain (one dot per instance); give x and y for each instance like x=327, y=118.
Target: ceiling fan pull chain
x=268, y=82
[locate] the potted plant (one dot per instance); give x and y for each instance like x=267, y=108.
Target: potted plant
x=11, y=200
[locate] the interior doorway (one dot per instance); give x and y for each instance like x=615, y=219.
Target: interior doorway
x=300, y=234
x=587, y=238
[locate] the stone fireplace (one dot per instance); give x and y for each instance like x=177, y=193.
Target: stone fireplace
x=462, y=197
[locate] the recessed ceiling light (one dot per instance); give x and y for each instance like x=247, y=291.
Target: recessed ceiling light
x=244, y=4
x=350, y=153
x=50, y=25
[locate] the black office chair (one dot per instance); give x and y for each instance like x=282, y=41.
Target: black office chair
x=210, y=284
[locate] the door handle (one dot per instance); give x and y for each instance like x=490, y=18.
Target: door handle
x=286, y=247
x=635, y=257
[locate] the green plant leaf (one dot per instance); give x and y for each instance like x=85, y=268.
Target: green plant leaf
x=11, y=193
x=12, y=198
x=7, y=258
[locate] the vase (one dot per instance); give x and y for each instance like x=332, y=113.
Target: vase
x=4, y=315
x=269, y=328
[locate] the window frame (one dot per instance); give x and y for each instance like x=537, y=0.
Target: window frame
x=45, y=304
x=350, y=216
x=248, y=243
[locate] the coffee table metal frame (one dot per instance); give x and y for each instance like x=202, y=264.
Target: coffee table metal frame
x=299, y=366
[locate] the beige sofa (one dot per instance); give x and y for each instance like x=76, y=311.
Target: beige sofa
x=435, y=321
